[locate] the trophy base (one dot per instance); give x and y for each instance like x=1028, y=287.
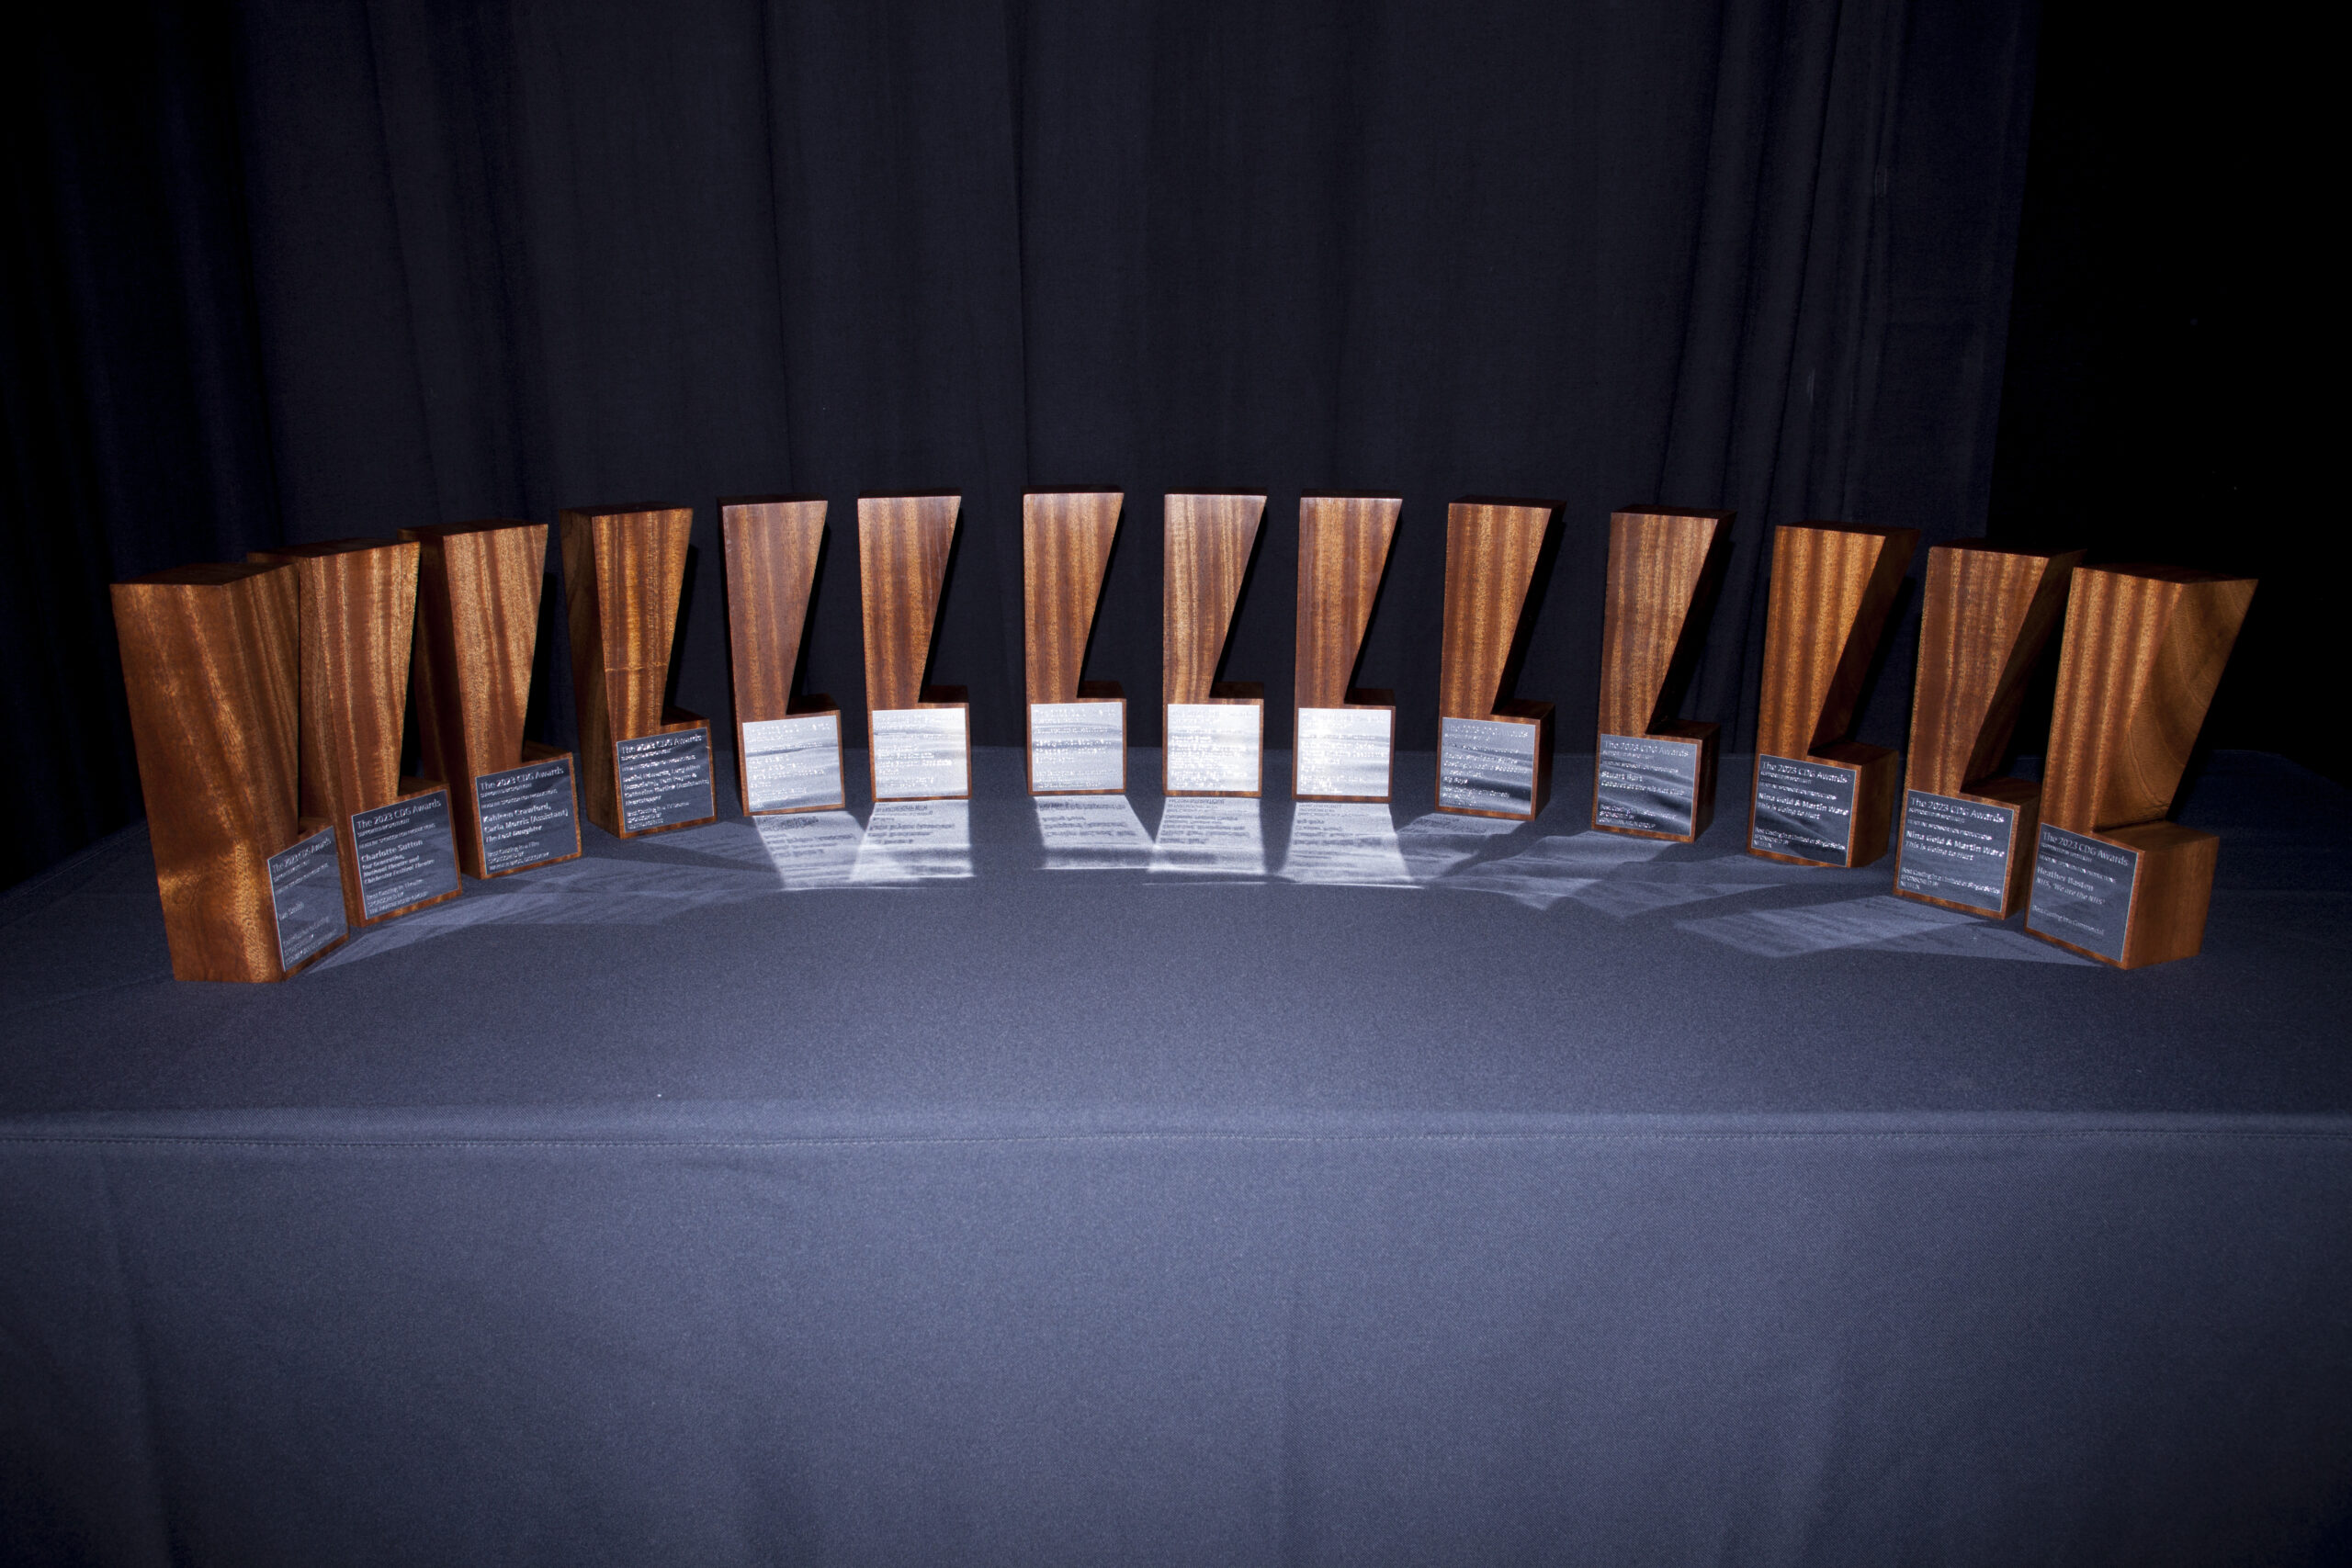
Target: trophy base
x=2127, y=897
x=1970, y=851
x=1216, y=747
x=923, y=753
x=1657, y=786
x=1830, y=807
x=1349, y=752
x=400, y=857
x=793, y=763
x=1079, y=747
x=1497, y=766
x=661, y=779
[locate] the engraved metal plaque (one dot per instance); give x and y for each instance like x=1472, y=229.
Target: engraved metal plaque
x=1806, y=809
x=1213, y=748
x=792, y=764
x=407, y=853
x=527, y=815
x=921, y=753
x=2081, y=891
x=1345, y=750
x=1956, y=849
x=1487, y=764
x=306, y=897
x=665, y=780
x=1647, y=784
x=1078, y=746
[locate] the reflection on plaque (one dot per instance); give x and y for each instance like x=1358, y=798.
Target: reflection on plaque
x=1647, y=786
x=1804, y=809
x=1487, y=764
x=1344, y=752
x=1078, y=746
x=1097, y=833
x=2082, y=892
x=1345, y=845
x=815, y=850
x=306, y=895
x=915, y=841
x=408, y=853
x=1214, y=747
x=665, y=780
x=1210, y=837
x=1957, y=851
x=528, y=814
x=921, y=753
x=793, y=765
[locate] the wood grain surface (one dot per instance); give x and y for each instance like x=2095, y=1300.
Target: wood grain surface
x=211, y=671
x=1208, y=541
x=622, y=568
x=902, y=547
x=1343, y=545
x=1833, y=584
x=1491, y=548
x=1658, y=561
x=1066, y=537
x=1985, y=614
x=772, y=545
x=2172, y=893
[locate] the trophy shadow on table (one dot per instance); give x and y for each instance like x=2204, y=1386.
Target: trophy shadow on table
x=1345, y=844
x=912, y=842
x=1091, y=832
x=1209, y=836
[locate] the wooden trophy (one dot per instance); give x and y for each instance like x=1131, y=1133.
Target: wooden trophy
x=397, y=837
x=1986, y=615
x=1494, y=752
x=1345, y=735
x=1078, y=729
x=644, y=766
x=251, y=889
x=1212, y=732
x=477, y=635
x=921, y=736
x=787, y=747
x=1654, y=775
x=1820, y=799
x=2144, y=648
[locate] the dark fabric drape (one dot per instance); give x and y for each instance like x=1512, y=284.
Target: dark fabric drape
x=507, y=258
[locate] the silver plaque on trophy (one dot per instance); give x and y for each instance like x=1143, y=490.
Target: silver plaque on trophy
x=1077, y=747
x=793, y=765
x=922, y=753
x=1486, y=764
x=1344, y=752
x=1216, y=748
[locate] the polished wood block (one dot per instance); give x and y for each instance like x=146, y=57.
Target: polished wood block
x=1833, y=586
x=903, y=544
x=1663, y=565
x=1343, y=545
x=1066, y=537
x=623, y=570
x=211, y=668
x=1492, y=547
x=1986, y=615
x=773, y=545
x=2144, y=653
x=1208, y=540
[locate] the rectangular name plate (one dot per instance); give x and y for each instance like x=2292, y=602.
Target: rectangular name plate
x=528, y=815
x=407, y=853
x=1345, y=751
x=793, y=765
x=1078, y=746
x=1213, y=747
x=2081, y=891
x=921, y=753
x=306, y=896
x=1647, y=785
x=1956, y=849
x=1806, y=809
x=665, y=780
x=1487, y=764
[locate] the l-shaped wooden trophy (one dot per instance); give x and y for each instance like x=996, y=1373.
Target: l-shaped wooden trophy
x=1213, y=735
x=1078, y=729
x=1654, y=775
x=477, y=587
x=1494, y=752
x=787, y=747
x=644, y=766
x=1968, y=834
x=1821, y=798
x=396, y=836
x=252, y=890
x=920, y=737
x=2144, y=648
x=1344, y=738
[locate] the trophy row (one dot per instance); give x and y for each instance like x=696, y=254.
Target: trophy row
x=268, y=702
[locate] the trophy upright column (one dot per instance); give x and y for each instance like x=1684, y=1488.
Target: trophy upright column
x=1343, y=741
x=1820, y=799
x=1494, y=754
x=2144, y=650
x=1654, y=775
x=1968, y=837
x=919, y=737
x=1213, y=735
x=787, y=747
x=1076, y=730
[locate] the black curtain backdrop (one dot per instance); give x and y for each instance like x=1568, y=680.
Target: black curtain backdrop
x=310, y=270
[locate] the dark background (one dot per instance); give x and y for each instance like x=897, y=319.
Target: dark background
x=297, y=271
